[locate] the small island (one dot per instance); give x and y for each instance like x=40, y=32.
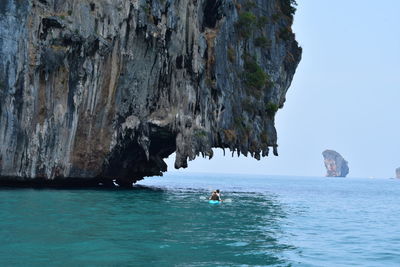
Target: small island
x=336, y=165
x=398, y=173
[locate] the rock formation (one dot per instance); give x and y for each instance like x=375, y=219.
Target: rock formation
x=335, y=164
x=398, y=173
x=104, y=89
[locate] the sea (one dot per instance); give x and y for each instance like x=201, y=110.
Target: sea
x=167, y=221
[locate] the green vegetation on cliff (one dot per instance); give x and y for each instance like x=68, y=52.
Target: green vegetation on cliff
x=246, y=24
x=254, y=76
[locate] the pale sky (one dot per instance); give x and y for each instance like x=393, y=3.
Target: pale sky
x=345, y=94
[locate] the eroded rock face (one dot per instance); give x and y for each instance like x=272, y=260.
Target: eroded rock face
x=336, y=165
x=109, y=88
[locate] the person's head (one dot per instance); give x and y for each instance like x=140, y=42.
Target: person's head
x=217, y=191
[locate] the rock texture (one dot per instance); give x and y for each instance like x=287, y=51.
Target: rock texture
x=107, y=89
x=336, y=165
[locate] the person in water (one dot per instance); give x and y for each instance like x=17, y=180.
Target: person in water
x=215, y=195
x=219, y=194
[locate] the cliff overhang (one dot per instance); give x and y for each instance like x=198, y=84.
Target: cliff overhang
x=102, y=90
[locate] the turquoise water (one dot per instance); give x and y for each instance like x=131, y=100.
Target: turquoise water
x=269, y=221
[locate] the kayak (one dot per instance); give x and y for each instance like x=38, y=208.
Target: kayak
x=214, y=201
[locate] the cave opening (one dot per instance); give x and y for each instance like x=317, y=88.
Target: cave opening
x=128, y=163
x=211, y=13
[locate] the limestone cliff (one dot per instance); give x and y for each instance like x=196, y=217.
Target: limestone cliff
x=109, y=88
x=336, y=165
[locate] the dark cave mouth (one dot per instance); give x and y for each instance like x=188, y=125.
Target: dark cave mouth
x=212, y=13
x=129, y=163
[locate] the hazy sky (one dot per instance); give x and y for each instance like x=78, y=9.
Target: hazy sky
x=345, y=94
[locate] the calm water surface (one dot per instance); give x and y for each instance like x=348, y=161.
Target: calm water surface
x=270, y=221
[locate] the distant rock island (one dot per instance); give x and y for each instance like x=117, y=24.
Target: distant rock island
x=398, y=173
x=336, y=165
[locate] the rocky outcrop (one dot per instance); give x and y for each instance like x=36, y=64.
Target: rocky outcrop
x=398, y=173
x=104, y=89
x=336, y=165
